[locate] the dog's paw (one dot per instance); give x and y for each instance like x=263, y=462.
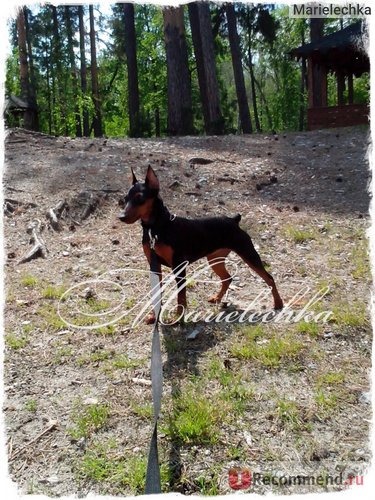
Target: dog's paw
x=150, y=319
x=215, y=299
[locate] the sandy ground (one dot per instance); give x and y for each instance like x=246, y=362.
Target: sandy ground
x=303, y=198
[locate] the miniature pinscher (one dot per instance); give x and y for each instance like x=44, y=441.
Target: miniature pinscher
x=176, y=240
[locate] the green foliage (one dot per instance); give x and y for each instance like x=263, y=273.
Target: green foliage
x=16, y=342
x=89, y=420
x=271, y=353
x=195, y=418
x=267, y=34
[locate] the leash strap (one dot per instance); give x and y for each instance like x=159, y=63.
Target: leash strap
x=153, y=482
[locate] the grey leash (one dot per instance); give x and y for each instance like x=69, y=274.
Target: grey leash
x=153, y=483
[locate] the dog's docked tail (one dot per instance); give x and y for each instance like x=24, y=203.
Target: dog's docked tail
x=237, y=218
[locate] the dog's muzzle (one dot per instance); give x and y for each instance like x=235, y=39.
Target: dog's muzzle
x=122, y=216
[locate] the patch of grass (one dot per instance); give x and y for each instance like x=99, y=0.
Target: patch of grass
x=234, y=391
x=123, y=362
x=310, y=328
x=208, y=484
x=105, y=330
x=289, y=415
x=217, y=370
x=51, y=318
x=102, y=465
x=237, y=395
x=237, y=453
x=190, y=283
x=144, y=411
x=272, y=353
x=252, y=332
x=27, y=328
x=88, y=420
x=16, y=342
x=326, y=401
x=97, y=306
x=171, y=344
x=61, y=355
x=354, y=314
x=327, y=285
x=195, y=418
x=31, y=405
x=330, y=379
x=298, y=235
x=360, y=262
x=29, y=281
x=94, y=357
x=53, y=292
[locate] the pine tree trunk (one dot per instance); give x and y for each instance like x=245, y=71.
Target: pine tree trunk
x=265, y=104
x=97, y=120
x=301, y=124
x=253, y=91
x=243, y=105
x=73, y=69
x=58, y=88
x=203, y=41
x=132, y=68
x=180, y=113
x=28, y=119
x=32, y=85
x=83, y=71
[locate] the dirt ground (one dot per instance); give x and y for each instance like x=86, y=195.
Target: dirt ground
x=278, y=399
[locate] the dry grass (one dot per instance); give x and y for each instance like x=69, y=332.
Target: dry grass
x=281, y=398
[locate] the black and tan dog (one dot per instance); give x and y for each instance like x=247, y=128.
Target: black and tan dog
x=177, y=240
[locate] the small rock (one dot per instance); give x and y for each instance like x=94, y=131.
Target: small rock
x=174, y=184
x=65, y=253
x=89, y=293
x=81, y=443
x=248, y=438
x=90, y=401
x=53, y=480
x=194, y=334
x=365, y=398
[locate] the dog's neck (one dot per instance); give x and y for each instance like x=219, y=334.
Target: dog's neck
x=159, y=217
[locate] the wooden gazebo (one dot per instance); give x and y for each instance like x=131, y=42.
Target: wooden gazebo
x=342, y=53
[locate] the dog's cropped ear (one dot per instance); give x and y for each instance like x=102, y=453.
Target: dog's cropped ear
x=134, y=180
x=151, y=179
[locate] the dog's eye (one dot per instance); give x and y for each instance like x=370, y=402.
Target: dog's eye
x=138, y=199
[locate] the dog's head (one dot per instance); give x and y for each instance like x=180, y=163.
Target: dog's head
x=138, y=203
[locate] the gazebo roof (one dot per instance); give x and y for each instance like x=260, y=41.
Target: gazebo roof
x=341, y=50
x=13, y=102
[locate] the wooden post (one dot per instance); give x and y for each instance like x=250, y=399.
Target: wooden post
x=310, y=86
x=350, y=88
x=340, y=77
x=324, y=86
